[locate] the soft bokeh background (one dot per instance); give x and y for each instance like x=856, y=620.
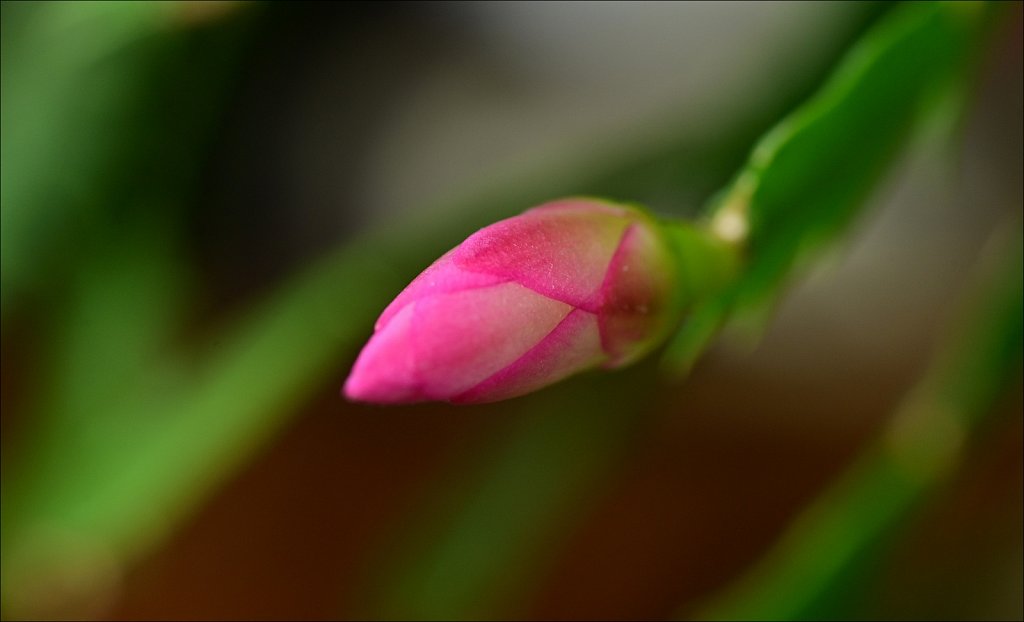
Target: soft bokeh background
x=204, y=206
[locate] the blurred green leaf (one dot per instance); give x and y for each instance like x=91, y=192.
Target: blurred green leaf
x=67, y=81
x=100, y=148
x=810, y=175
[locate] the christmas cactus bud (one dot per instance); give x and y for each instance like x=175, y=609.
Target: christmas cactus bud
x=524, y=303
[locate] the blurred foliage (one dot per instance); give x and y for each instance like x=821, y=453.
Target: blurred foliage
x=107, y=110
x=475, y=563
x=807, y=575
x=811, y=174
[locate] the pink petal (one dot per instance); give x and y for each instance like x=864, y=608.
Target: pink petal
x=385, y=371
x=441, y=277
x=438, y=346
x=464, y=337
x=521, y=304
x=574, y=345
x=559, y=250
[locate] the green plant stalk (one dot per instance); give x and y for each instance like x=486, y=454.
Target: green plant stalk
x=706, y=263
x=915, y=453
x=808, y=177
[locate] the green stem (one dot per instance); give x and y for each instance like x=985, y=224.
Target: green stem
x=706, y=262
x=809, y=177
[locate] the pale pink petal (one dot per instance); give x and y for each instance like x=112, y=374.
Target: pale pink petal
x=441, y=277
x=558, y=250
x=461, y=338
x=385, y=371
x=573, y=345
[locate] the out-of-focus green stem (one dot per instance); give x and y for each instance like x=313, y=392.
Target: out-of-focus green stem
x=915, y=452
x=808, y=177
x=706, y=262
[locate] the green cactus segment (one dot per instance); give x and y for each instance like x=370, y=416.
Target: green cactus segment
x=807, y=178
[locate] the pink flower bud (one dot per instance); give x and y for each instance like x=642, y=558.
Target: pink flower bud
x=521, y=304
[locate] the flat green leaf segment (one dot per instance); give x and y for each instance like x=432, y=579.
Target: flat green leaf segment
x=807, y=178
